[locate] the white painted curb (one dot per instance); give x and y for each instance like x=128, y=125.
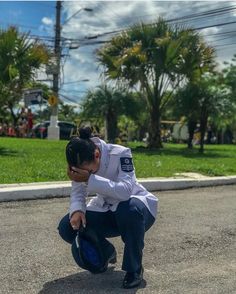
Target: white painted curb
x=14, y=192
x=186, y=183
x=62, y=189
x=34, y=191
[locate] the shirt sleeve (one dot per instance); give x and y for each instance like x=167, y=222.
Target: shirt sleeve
x=78, y=197
x=121, y=188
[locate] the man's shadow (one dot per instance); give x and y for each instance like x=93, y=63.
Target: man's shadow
x=85, y=282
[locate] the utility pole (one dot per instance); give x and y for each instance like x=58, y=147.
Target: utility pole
x=53, y=129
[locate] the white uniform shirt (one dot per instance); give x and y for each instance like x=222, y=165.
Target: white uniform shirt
x=115, y=181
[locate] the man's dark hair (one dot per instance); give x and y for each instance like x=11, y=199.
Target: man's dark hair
x=80, y=148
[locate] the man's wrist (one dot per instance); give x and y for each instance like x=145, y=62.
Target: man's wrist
x=81, y=211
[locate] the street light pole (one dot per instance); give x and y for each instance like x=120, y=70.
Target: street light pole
x=53, y=129
x=85, y=9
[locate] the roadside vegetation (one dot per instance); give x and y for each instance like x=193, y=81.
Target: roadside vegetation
x=151, y=72
x=154, y=76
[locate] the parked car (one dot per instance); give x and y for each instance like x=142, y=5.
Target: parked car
x=40, y=130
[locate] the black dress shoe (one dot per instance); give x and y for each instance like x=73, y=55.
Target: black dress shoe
x=132, y=280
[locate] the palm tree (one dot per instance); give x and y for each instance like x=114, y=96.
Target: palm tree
x=186, y=104
x=202, y=99
x=20, y=58
x=156, y=58
x=108, y=103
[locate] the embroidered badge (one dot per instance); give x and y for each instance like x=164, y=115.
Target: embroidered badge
x=126, y=164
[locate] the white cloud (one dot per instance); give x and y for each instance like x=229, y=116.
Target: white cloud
x=47, y=21
x=209, y=34
x=210, y=31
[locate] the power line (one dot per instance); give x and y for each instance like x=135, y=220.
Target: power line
x=84, y=41
x=221, y=45
x=221, y=10
x=69, y=99
x=221, y=39
x=194, y=29
x=205, y=14
x=222, y=33
x=75, y=82
x=97, y=42
x=215, y=25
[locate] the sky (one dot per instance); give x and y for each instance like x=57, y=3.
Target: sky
x=80, y=70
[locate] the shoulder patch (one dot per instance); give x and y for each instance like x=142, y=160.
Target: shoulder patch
x=126, y=164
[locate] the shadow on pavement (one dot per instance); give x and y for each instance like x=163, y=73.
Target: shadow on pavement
x=85, y=282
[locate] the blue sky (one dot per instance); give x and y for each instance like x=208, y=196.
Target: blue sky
x=38, y=17
x=28, y=14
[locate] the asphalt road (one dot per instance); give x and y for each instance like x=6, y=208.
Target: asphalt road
x=190, y=249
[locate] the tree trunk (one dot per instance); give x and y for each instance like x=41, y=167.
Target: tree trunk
x=155, y=132
x=203, y=126
x=141, y=132
x=105, y=127
x=222, y=136
x=14, y=117
x=111, y=123
x=191, y=128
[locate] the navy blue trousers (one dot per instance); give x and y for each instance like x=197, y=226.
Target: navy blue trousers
x=130, y=221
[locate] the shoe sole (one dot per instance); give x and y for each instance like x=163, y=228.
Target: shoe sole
x=137, y=284
x=133, y=286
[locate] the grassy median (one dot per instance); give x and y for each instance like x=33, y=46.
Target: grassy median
x=34, y=160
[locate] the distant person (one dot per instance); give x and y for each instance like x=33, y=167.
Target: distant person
x=122, y=206
x=23, y=115
x=11, y=131
x=22, y=129
x=22, y=123
x=29, y=122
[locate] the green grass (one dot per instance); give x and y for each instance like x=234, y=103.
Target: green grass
x=32, y=160
x=217, y=160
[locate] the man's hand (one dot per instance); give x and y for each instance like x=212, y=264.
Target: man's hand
x=77, y=174
x=77, y=219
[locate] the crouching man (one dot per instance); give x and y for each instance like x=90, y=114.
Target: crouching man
x=121, y=207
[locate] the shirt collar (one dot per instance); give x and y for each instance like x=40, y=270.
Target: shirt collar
x=103, y=147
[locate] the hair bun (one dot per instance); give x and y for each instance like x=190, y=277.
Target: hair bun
x=85, y=133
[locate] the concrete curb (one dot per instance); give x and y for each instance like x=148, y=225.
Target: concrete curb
x=14, y=192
